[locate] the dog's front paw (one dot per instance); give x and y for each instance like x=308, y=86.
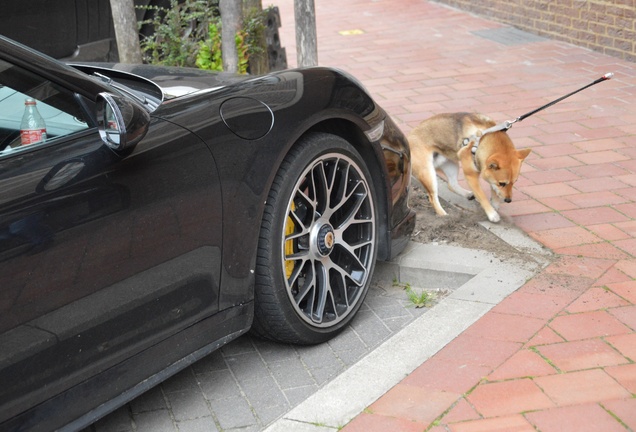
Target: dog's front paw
x=494, y=217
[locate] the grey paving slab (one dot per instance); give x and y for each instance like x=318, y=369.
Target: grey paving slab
x=218, y=385
x=155, y=421
x=118, y=421
x=201, y=424
x=152, y=400
x=188, y=405
x=233, y=413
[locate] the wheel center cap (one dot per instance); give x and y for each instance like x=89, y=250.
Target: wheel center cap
x=326, y=239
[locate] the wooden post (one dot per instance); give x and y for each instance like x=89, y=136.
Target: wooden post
x=126, y=32
x=231, y=24
x=306, y=37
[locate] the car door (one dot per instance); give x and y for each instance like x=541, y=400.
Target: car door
x=102, y=255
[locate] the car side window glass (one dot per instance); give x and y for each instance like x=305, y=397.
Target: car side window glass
x=33, y=110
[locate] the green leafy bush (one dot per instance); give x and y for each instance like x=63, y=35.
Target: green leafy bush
x=188, y=33
x=177, y=32
x=209, y=56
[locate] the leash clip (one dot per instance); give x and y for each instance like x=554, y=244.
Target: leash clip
x=468, y=140
x=497, y=128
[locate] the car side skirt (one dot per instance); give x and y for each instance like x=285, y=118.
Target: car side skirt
x=119, y=385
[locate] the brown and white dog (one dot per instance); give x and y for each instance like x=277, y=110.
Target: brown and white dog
x=445, y=141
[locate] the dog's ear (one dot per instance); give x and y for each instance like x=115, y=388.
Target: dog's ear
x=522, y=154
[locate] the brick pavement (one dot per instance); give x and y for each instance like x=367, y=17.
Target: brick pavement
x=558, y=354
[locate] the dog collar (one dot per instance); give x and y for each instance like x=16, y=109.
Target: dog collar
x=475, y=138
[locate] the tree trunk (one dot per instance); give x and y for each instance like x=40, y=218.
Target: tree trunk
x=306, y=39
x=126, y=32
x=230, y=25
x=258, y=61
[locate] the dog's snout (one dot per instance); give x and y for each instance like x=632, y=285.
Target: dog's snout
x=508, y=200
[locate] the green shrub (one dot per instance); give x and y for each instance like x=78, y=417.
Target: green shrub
x=188, y=33
x=177, y=32
x=209, y=56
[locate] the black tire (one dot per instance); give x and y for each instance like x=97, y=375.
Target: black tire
x=318, y=243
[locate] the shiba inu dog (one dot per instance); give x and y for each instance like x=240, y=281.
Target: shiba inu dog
x=445, y=142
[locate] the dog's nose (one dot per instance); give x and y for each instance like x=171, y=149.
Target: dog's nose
x=508, y=200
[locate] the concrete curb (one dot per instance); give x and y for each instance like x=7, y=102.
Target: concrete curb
x=490, y=281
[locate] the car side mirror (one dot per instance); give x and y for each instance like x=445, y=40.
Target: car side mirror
x=121, y=122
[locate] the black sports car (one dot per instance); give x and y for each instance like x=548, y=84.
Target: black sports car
x=165, y=212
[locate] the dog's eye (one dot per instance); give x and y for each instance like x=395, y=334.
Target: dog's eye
x=502, y=184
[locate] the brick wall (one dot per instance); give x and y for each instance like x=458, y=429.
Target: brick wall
x=607, y=26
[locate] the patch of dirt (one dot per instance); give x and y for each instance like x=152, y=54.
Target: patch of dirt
x=460, y=228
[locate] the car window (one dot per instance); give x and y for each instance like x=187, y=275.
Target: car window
x=22, y=91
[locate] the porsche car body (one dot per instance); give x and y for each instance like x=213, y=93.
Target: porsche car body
x=171, y=210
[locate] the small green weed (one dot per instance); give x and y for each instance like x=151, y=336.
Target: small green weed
x=419, y=300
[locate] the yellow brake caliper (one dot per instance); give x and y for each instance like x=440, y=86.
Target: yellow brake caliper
x=289, y=244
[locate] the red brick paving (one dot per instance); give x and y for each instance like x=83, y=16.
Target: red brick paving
x=596, y=250
x=498, y=424
x=624, y=409
x=626, y=315
x=461, y=412
x=588, y=325
x=559, y=354
x=596, y=298
x=544, y=336
x=579, y=387
x=579, y=355
x=524, y=363
x=562, y=237
x=625, y=344
x=626, y=375
x=588, y=417
x=504, y=398
x=377, y=423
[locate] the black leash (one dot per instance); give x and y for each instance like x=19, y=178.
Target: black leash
x=508, y=124
x=605, y=77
